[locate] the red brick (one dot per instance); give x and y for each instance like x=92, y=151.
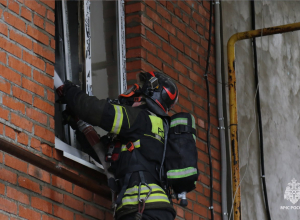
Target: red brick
x=160, y=31
x=176, y=43
x=50, y=69
x=37, y=116
x=82, y=193
x=135, y=30
x=183, y=38
x=29, y=184
x=3, y=57
x=39, y=173
x=28, y=213
x=153, y=37
x=17, y=195
x=170, y=6
x=62, y=213
x=137, y=7
x=10, y=47
x=33, y=60
x=153, y=15
x=15, y=163
x=46, y=149
x=147, y=22
x=38, y=21
x=1, y=132
x=161, y=10
x=50, y=96
x=50, y=15
x=14, y=21
x=3, y=2
x=200, y=210
x=8, y=176
x=52, y=194
x=80, y=217
x=178, y=12
x=14, y=104
x=9, y=132
x=22, y=138
x=93, y=211
x=33, y=87
x=185, y=103
x=169, y=49
x=148, y=46
x=183, y=80
x=41, y=204
x=4, y=86
x=52, y=43
x=154, y=61
x=109, y=216
x=44, y=133
x=46, y=217
x=73, y=203
x=193, y=35
x=152, y=4
x=61, y=183
x=13, y=6
x=4, y=113
x=25, y=13
x=19, y=66
x=200, y=91
x=165, y=57
x=183, y=59
x=191, y=53
x=8, y=206
x=2, y=190
x=36, y=7
x=50, y=3
x=44, y=106
x=50, y=28
x=135, y=53
x=44, y=52
x=102, y=201
x=169, y=27
x=52, y=123
x=22, y=94
x=200, y=19
x=176, y=22
x=3, y=29
x=179, y=67
x=38, y=35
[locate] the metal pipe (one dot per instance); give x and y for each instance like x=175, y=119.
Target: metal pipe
x=233, y=104
x=56, y=169
x=220, y=112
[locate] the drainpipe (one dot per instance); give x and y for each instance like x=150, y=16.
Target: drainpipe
x=233, y=104
x=220, y=112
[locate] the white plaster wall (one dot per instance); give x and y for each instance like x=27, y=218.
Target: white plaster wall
x=279, y=76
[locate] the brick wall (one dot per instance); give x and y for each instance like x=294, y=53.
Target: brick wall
x=172, y=37
x=27, y=59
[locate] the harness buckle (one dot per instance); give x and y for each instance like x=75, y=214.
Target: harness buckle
x=131, y=147
x=139, y=192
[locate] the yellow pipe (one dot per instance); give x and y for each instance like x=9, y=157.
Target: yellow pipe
x=233, y=104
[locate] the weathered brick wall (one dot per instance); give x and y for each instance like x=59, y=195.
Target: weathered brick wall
x=27, y=59
x=172, y=36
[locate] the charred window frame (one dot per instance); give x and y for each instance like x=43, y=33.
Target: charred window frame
x=90, y=51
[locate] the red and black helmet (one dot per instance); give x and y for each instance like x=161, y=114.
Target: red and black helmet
x=159, y=88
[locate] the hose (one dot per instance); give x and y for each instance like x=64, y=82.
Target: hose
x=261, y=144
x=208, y=113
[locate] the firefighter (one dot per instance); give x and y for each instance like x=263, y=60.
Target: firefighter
x=139, y=121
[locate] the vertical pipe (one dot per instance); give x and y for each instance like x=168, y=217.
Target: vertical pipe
x=233, y=131
x=220, y=112
x=233, y=104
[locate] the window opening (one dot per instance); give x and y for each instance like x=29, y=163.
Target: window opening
x=90, y=51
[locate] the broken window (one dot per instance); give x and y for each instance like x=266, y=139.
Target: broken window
x=90, y=52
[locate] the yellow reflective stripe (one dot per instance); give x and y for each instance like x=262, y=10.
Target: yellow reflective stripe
x=144, y=189
x=137, y=144
x=133, y=200
x=126, y=116
x=154, y=138
x=118, y=121
x=157, y=125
